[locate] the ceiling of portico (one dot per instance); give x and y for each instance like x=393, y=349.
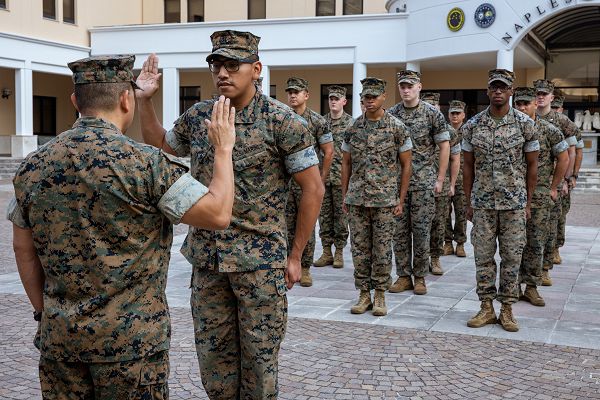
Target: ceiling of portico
x=578, y=27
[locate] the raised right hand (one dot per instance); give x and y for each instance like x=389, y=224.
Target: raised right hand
x=221, y=127
x=148, y=79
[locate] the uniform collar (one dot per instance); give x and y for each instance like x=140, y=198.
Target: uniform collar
x=250, y=113
x=508, y=119
x=93, y=122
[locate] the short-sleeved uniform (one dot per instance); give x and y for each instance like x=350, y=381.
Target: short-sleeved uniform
x=458, y=232
x=428, y=128
x=442, y=201
x=318, y=127
x=240, y=318
x=499, y=197
x=100, y=207
x=333, y=225
x=373, y=192
x=573, y=137
x=539, y=225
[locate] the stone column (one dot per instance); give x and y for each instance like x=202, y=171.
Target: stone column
x=359, y=71
x=266, y=82
x=413, y=66
x=24, y=141
x=170, y=87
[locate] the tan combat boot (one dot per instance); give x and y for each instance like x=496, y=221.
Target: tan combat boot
x=363, y=304
x=448, y=249
x=546, y=281
x=486, y=315
x=402, y=283
x=460, y=250
x=436, y=266
x=420, y=287
x=556, y=259
x=306, y=278
x=532, y=296
x=507, y=320
x=379, y=308
x=338, y=260
x=325, y=259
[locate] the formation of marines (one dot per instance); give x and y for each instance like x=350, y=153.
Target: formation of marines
x=93, y=214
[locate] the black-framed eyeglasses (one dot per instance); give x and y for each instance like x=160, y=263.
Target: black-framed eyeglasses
x=230, y=65
x=502, y=89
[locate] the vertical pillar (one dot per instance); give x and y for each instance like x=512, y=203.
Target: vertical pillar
x=266, y=82
x=170, y=87
x=359, y=71
x=413, y=66
x=24, y=142
x=505, y=59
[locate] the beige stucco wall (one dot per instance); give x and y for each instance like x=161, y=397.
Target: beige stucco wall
x=476, y=79
x=60, y=87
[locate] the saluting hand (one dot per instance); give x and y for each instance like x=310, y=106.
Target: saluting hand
x=148, y=79
x=221, y=127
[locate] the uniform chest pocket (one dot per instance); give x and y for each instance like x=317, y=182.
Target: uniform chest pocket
x=385, y=151
x=513, y=145
x=253, y=175
x=420, y=133
x=481, y=144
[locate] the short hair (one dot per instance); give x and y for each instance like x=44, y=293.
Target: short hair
x=99, y=96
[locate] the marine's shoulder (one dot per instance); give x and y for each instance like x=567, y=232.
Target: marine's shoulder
x=522, y=117
x=474, y=120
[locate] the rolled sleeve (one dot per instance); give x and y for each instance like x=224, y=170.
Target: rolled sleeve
x=559, y=147
x=406, y=146
x=580, y=144
x=345, y=147
x=301, y=160
x=466, y=146
x=532, y=145
x=14, y=214
x=455, y=149
x=181, y=149
x=180, y=197
x=571, y=141
x=442, y=137
x=326, y=138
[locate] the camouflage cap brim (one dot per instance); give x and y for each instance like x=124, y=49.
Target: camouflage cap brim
x=543, y=90
x=408, y=80
x=455, y=109
x=296, y=88
x=234, y=54
x=524, y=97
x=506, y=81
x=371, y=92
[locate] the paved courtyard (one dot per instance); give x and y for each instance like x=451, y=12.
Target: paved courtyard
x=421, y=350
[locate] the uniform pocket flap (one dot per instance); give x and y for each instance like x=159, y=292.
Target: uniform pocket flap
x=154, y=373
x=513, y=141
x=250, y=161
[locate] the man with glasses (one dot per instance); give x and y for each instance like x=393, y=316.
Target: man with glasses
x=333, y=225
x=428, y=130
x=500, y=148
x=553, y=150
x=240, y=274
x=297, y=93
x=544, y=97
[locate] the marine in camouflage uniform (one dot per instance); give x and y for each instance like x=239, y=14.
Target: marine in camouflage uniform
x=428, y=130
x=100, y=209
x=323, y=139
x=498, y=151
x=573, y=137
x=552, y=146
x=238, y=300
x=458, y=233
x=374, y=148
x=442, y=200
x=333, y=224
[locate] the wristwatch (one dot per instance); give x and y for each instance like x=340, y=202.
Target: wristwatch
x=575, y=176
x=37, y=316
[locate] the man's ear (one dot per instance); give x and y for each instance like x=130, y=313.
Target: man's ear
x=256, y=70
x=124, y=102
x=74, y=102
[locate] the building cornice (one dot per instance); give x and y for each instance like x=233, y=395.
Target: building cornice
x=253, y=22
x=44, y=42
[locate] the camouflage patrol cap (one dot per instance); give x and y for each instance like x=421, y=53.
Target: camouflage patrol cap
x=372, y=87
x=457, y=106
x=241, y=46
x=298, y=84
x=337, y=91
x=543, y=85
x=558, y=101
x=103, y=69
x=524, y=94
x=431, y=98
x=502, y=75
x=408, y=76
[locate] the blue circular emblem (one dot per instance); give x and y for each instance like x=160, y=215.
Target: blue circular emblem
x=485, y=15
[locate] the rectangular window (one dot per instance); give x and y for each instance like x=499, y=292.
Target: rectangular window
x=325, y=97
x=49, y=7
x=257, y=9
x=172, y=11
x=44, y=115
x=273, y=91
x=195, y=10
x=325, y=8
x=352, y=7
x=69, y=11
x=2, y=4
x=188, y=96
